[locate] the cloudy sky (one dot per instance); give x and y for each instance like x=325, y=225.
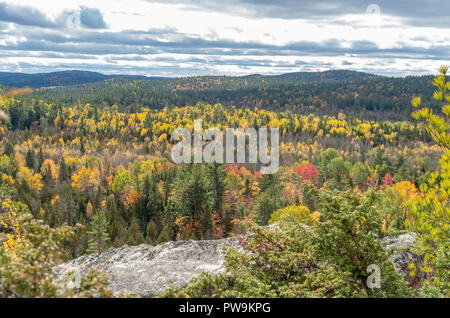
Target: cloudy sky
x=235, y=37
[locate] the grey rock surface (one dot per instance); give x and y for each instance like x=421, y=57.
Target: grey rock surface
x=400, y=250
x=147, y=270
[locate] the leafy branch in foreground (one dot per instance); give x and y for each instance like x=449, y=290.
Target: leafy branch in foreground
x=430, y=217
x=30, y=252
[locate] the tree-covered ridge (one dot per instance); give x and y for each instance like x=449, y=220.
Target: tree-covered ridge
x=62, y=78
x=369, y=97
x=328, y=76
x=74, y=77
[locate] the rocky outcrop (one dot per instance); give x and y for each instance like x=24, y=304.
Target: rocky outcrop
x=400, y=250
x=147, y=270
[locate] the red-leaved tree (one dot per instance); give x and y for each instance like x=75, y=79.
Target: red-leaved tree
x=388, y=180
x=309, y=173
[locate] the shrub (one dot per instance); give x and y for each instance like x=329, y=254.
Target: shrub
x=27, y=261
x=327, y=260
x=292, y=213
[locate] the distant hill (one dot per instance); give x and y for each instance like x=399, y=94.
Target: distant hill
x=63, y=78
x=327, y=76
x=330, y=92
x=67, y=78
x=324, y=93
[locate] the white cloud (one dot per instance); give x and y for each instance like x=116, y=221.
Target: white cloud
x=380, y=43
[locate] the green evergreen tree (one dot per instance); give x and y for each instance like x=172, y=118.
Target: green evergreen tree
x=134, y=235
x=267, y=180
x=153, y=202
x=163, y=237
x=193, y=196
x=268, y=200
x=217, y=174
x=30, y=159
x=151, y=233
x=9, y=148
x=82, y=148
x=359, y=174
x=40, y=159
x=325, y=159
x=98, y=232
x=310, y=196
x=338, y=172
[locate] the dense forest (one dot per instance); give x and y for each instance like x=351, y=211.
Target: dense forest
x=61, y=78
x=327, y=93
x=90, y=162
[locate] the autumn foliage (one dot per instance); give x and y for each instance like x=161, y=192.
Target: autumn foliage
x=309, y=173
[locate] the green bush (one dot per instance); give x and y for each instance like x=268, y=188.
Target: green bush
x=292, y=213
x=329, y=259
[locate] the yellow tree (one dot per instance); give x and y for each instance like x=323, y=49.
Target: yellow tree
x=33, y=181
x=49, y=171
x=85, y=179
x=294, y=213
x=430, y=217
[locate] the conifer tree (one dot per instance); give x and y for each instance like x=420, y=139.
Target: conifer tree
x=247, y=195
x=217, y=174
x=151, y=233
x=163, y=237
x=40, y=159
x=29, y=159
x=134, y=235
x=63, y=173
x=269, y=200
x=9, y=148
x=193, y=196
x=154, y=202
x=98, y=232
x=325, y=159
x=82, y=148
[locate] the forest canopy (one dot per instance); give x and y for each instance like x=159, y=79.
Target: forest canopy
x=89, y=164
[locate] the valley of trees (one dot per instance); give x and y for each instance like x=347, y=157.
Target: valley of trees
x=357, y=94
x=90, y=163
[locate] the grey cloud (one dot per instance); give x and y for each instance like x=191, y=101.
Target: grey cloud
x=53, y=39
x=92, y=18
x=418, y=12
x=45, y=54
x=287, y=9
x=214, y=60
x=199, y=66
x=173, y=70
x=86, y=17
x=168, y=40
x=24, y=15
